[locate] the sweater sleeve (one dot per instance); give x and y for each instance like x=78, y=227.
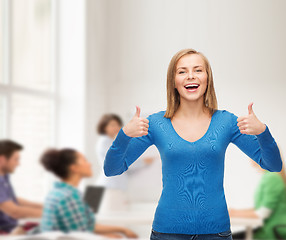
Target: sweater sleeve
x=261, y=148
x=125, y=150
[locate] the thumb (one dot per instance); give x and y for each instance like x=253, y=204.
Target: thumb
x=250, y=110
x=137, y=111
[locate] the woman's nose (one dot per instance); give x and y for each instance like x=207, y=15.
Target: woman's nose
x=190, y=75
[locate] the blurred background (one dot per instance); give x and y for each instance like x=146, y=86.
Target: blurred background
x=63, y=64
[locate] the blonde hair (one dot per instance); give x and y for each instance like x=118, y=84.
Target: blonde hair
x=173, y=96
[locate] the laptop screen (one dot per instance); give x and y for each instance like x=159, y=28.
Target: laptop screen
x=93, y=197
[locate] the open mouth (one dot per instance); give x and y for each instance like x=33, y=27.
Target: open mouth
x=192, y=86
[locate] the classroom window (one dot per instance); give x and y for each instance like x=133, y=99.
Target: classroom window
x=27, y=88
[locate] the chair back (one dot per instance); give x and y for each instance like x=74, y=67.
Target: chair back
x=276, y=232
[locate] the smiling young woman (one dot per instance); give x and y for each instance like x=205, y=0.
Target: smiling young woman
x=187, y=85
x=178, y=70
x=192, y=136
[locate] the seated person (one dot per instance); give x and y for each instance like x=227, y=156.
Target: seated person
x=270, y=205
x=12, y=207
x=64, y=208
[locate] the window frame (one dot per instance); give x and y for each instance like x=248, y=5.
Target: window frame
x=7, y=89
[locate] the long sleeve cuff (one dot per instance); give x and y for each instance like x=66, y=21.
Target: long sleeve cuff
x=270, y=152
x=122, y=139
x=265, y=136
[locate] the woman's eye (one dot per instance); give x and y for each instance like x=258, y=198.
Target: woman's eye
x=181, y=72
x=199, y=70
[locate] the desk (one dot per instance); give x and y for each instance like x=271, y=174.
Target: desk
x=146, y=218
x=126, y=218
x=248, y=223
x=58, y=235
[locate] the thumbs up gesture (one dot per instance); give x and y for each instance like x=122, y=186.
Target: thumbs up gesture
x=137, y=126
x=250, y=124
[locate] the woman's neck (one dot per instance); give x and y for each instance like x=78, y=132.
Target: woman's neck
x=191, y=109
x=73, y=180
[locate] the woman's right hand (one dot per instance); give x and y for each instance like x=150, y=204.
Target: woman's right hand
x=137, y=126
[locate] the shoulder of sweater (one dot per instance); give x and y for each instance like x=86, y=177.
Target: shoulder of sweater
x=224, y=112
x=157, y=114
x=228, y=115
x=161, y=113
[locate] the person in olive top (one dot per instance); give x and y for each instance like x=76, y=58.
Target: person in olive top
x=269, y=204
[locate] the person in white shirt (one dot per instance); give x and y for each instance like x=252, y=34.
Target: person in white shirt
x=116, y=186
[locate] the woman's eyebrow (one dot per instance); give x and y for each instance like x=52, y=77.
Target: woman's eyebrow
x=181, y=67
x=186, y=68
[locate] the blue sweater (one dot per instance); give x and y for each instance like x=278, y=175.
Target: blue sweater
x=192, y=199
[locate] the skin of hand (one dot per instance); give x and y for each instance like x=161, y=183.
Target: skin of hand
x=27, y=203
x=112, y=235
x=16, y=211
x=137, y=126
x=250, y=124
x=115, y=231
x=129, y=234
x=18, y=231
x=243, y=213
x=148, y=160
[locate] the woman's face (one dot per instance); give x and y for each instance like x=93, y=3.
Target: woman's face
x=112, y=128
x=191, y=69
x=81, y=166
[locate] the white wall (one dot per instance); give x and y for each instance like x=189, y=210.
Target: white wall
x=71, y=73
x=69, y=42
x=97, y=93
x=130, y=44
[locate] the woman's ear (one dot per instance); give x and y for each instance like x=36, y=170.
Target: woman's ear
x=73, y=168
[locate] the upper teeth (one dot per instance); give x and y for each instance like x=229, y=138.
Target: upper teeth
x=192, y=84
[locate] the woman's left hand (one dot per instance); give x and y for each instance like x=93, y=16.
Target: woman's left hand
x=250, y=124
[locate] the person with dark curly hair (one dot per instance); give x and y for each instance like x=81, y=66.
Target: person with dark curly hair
x=64, y=207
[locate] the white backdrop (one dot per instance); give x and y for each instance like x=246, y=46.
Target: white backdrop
x=130, y=44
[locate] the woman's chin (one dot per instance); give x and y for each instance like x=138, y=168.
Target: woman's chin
x=193, y=98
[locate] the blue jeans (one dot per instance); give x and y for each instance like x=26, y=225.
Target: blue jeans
x=227, y=235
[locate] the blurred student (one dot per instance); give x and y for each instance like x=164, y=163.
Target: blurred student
x=12, y=207
x=269, y=204
x=64, y=208
x=115, y=186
